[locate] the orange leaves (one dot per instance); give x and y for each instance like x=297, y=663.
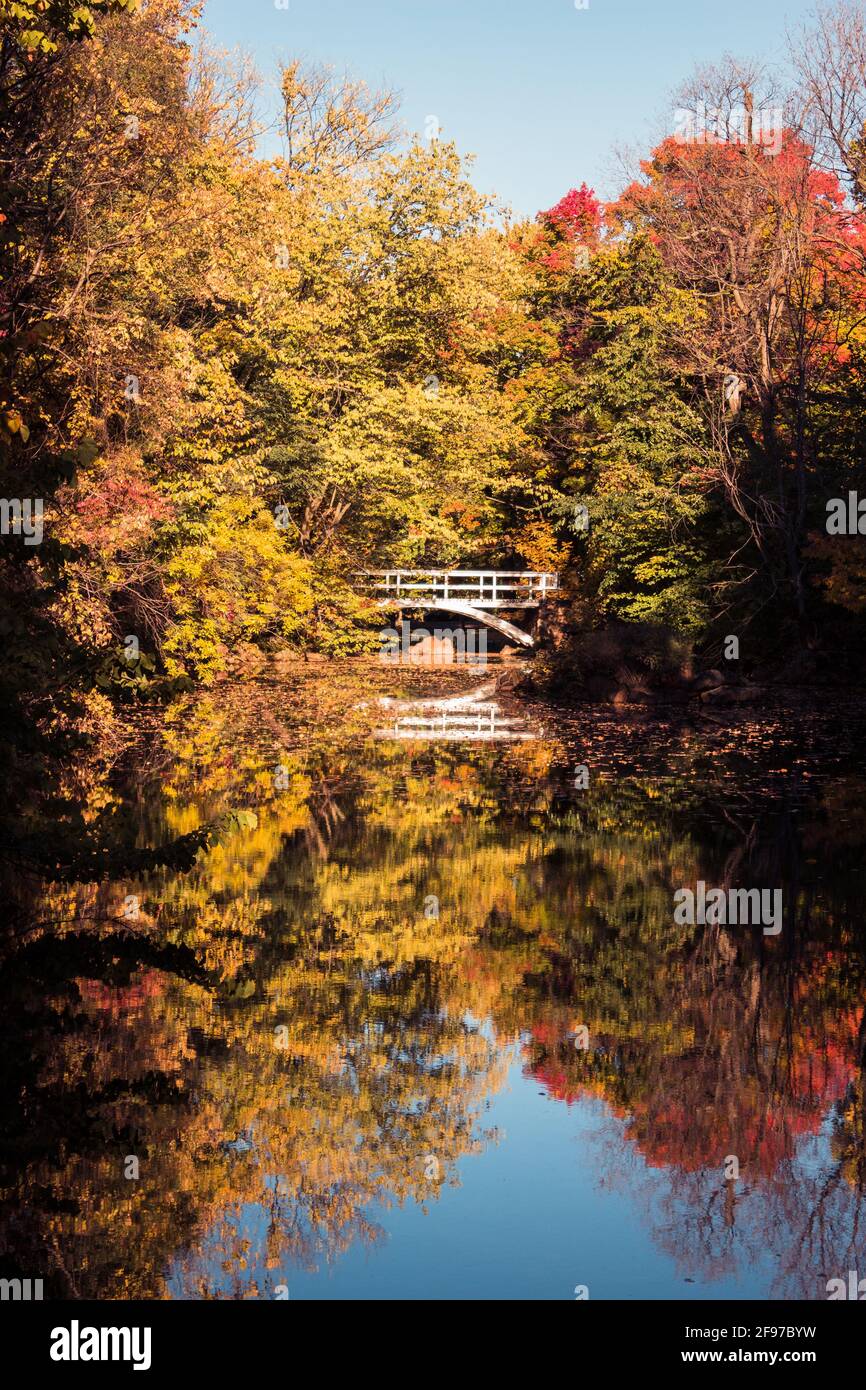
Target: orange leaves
x=464, y=514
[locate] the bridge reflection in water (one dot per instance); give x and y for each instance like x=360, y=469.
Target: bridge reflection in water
x=453, y=721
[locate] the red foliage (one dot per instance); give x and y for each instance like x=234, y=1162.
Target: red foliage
x=121, y=1002
x=577, y=216
x=686, y=1119
x=120, y=511
x=123, y=496
x=572, y=223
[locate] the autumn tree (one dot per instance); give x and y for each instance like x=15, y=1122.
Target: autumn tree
x=751, y=234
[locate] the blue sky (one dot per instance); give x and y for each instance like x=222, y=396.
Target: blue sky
x=539, y=91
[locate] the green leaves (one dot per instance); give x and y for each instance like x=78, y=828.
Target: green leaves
x=44, y=24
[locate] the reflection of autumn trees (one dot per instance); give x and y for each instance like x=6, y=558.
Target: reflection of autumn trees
x=287, y=1041
x=302, y=1062
x=370, y=1075
x=716, y=1043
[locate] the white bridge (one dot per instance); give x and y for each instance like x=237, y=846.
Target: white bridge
x=475, y=594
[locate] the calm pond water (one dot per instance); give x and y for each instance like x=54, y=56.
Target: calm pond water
x=420, y=1024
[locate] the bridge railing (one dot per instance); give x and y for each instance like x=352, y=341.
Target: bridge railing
x=481, y=588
